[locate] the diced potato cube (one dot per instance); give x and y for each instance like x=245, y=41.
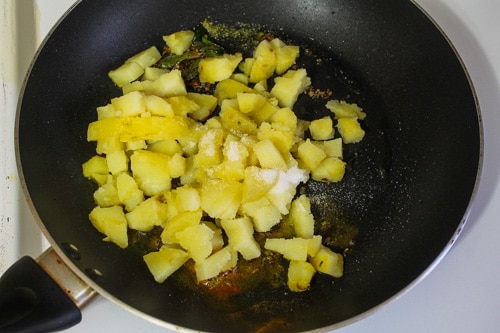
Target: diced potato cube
x=258, y=182
x=350, y=130
x=221, y=198
x=331, y=169
x=288, y=87
x=96, y=165
x=182, y=105
x=240, y=77
x=106, y=111
x=106, y=195
x=237, y=122
x=246, y=66
x=158, y=106
x=248, y=102
x=126, y=73
x=240, y=236
x=151, y=171
x=235, y=161
x=132, y=86
x=322, y=129
x=105, y=145
x=152, y=73
x=328, y=262
x=178, y=223
x=176, y=165
x=149, y=213
x=282, y=193
x=261, y=88
x=197, y=240
x=221, y=261
x=281, y=137
x=165, y=262
x=300, y=274
x=269, y=156
x=265, y=62
x=229, y=103
x=137, y=128
x=117, y=162
x=218, y=239
x=111, y=221
x=129, y=105
x=333, y=148
x=168, y=147
x=168, y=198
x=294, y=248
x=187, y=199
x=286, y=55
x=206, y=105
x=342, y=109
x=215, y=69
x=179, y=41
x=301, y=217
x=146, y=58
x=285, y=117
x=128, y=191
x=136, y=145
x=264, y=113
x=133, y=68
x=229, y=89
x=167, y=85
x=209, y=149
x=263, y=213
x=310, y=154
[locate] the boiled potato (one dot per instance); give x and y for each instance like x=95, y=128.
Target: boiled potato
x=310, y=154
x=350, y=130
x=128, y=190
x=214, y=170
x=295, y=248
x=342, y=109
x=288, y=87
x=178, y=223
x=111, y=221
x=197, y=240
x=328, y=262
x=240, y=236
x=218, y=68
x=134, y=67
x=106, y=195
x=149, y=213
x=165, y=262
x=179, y=41
x=151, y=171
x=221, y=261
x=301, y=217
x=322, y=129
x=300, y=274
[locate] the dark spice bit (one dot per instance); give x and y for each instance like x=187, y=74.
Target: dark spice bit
x=316, y=93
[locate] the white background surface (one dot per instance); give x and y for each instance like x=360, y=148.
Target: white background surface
x=461, y=295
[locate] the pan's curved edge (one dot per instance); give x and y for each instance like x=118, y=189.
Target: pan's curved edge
x=55, y=246
x=359, y=317
x=468, y=209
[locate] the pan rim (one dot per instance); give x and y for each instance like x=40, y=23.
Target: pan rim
x=162, y=323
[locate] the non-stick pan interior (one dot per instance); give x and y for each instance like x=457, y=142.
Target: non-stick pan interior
x=408, y=185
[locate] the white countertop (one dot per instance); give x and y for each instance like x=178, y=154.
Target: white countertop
x=462, y=294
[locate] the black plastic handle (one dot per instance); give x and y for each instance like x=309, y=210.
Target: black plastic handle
x=30, y=301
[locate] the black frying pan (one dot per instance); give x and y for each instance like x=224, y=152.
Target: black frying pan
x=408, y=186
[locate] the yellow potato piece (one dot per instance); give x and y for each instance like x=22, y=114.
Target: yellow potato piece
x=136, y=128
x=173, y=160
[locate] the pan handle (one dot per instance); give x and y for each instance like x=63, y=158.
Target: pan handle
x=41, y=295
